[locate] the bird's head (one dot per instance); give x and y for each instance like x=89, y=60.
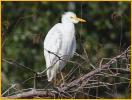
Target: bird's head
x=71, y=17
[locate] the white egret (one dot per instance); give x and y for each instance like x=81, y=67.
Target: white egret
x=60, y=44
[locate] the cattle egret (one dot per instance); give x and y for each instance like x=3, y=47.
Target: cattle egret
x=60, y=44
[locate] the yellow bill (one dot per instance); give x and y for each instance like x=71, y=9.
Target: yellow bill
x=81, y=20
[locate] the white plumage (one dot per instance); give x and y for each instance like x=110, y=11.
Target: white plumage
x=60, y=44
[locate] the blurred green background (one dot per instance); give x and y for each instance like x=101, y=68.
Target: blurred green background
x=106, y=34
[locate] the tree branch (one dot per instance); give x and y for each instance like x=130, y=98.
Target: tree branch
x=82, y=82
x=33, y=93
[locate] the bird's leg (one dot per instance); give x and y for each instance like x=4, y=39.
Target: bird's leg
x=62, y=77
x=54, y=81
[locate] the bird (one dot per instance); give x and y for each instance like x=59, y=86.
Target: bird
x=60, y=44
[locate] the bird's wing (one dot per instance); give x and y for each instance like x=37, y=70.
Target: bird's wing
x=52, y=45
x=73, y=47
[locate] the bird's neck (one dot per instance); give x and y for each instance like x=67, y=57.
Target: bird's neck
x=68, y=28
x=66, y=22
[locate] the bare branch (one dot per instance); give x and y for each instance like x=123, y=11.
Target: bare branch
x=87, y=81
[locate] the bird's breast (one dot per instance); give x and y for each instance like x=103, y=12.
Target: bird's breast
x=68, y=40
